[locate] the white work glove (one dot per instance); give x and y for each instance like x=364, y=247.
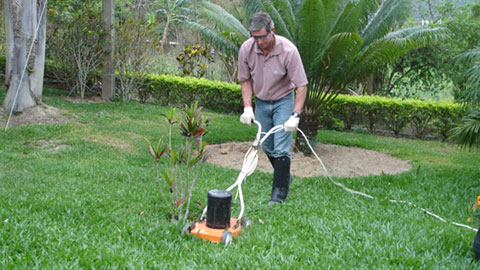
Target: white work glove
x=292, y=123
x=247, y=117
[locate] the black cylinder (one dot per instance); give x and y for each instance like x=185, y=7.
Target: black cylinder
x=476, y=245
x=218, y=210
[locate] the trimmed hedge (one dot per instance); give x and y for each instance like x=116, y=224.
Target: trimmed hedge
x=419, y=117
x=177, y=91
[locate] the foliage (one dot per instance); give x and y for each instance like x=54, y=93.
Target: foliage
x=421, y=117
x=184, y=162
x=135, y=45
x=173, y=11
x=441, y=61
x=75, y=44
x=433, y=87
x=175, y=90
x=468, y=132
x=194, y=60
x=471, y=59
x=224, y=31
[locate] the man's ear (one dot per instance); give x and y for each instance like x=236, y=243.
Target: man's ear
x=273, y=30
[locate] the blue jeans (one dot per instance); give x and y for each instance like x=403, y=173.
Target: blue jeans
x=273, y=113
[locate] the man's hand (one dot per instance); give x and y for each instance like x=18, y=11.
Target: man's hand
x=291, y=124
x=247, y=117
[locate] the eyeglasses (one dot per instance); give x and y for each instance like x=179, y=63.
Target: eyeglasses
x=262, y=37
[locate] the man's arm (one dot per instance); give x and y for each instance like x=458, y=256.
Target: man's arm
x=247, y=93
x=299, y=98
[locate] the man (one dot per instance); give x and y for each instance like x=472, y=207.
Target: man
x=270, y=67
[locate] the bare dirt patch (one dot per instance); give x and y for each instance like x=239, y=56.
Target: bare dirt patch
x=92, y=99
x=41, y=114
x=340, y=160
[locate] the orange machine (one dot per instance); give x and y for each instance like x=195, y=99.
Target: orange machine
x=219, y=227
x=225, y=236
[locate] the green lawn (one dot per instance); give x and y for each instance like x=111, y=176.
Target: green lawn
x=83, y=195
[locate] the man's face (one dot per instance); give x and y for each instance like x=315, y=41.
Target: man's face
x=263, y=38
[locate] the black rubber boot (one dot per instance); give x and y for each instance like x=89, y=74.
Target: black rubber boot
x=281, y=180
x=272, y=161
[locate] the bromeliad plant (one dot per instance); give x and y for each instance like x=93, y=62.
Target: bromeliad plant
x=177, y=181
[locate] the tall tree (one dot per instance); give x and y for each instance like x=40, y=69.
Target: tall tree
x=108, y=71
x=26, y=27
x=172, y=12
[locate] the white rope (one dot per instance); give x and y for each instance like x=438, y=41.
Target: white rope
x=371, y=197
x=25, y=67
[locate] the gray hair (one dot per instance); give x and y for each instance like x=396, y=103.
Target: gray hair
x=260, y=20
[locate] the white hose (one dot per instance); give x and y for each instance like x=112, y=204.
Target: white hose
x=371, y=197
x=251, y=160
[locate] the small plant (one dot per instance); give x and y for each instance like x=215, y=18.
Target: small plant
x=181, y=171
x=474, y=210
x=194, y=60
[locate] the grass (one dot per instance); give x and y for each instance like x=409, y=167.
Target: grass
x=83, y=195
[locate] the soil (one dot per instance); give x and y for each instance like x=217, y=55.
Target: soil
x=42, y=114
x=339, y=160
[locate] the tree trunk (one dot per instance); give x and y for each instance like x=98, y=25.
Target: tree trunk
x=164, y=36
x=22, y=18
x=108, y=70
x=370, y=84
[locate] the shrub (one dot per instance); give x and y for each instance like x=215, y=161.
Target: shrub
x=75, y=44
x=177, y=91
x=422, y=117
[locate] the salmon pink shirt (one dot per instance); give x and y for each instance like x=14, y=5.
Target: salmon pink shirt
x=273, y=76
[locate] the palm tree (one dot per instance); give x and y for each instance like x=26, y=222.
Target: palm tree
x=340, y=42
x=172, y=11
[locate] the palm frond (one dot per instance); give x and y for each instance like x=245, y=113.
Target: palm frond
x=381, y=52
x=363, y=10
x=214, y=37
x=221, y=18
x=423, y=35
x=380, y=22
x=281, y=27
x=311, y=29
x=253, y=6
x=469, y=57
x=473, y=76
x=468, y=132
x=341, y=51
x=286, y=9
x=334, y=10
